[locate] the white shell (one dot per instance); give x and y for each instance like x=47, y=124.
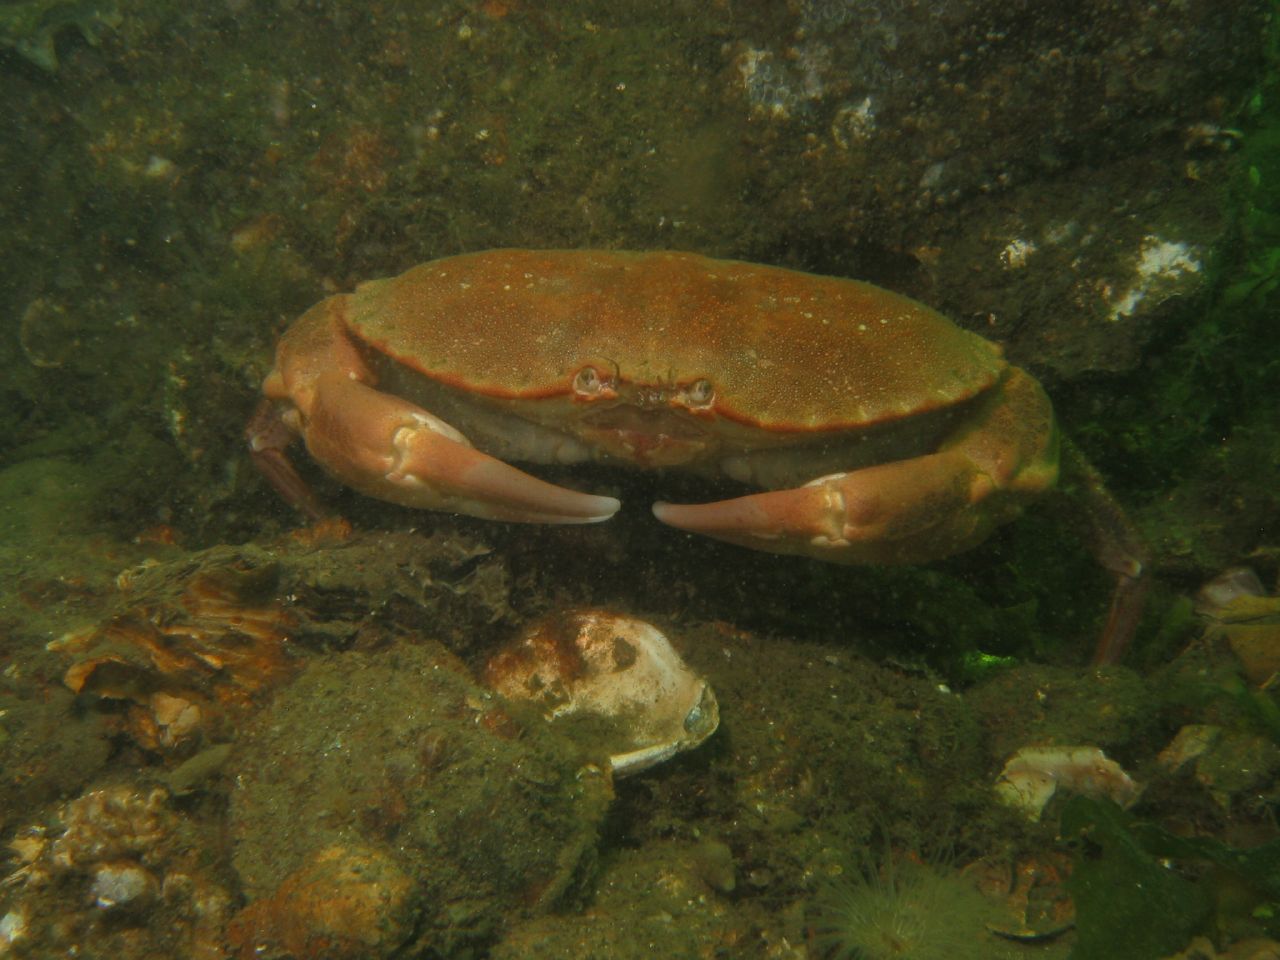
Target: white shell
x=621, y=673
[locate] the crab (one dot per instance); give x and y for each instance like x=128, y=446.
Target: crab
x=872, y=428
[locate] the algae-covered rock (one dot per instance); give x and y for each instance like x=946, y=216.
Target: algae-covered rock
x=1036, y=704
x=47, y=750
x=400, y=759
x=661, y=901
x=342, y=903
x=197, y=639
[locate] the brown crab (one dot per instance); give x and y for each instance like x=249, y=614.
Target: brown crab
x=876, y=429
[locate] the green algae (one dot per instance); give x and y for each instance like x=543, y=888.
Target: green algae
x=31, y=27
x=1142, y=892
x=1128, y=905
x=1196, y=424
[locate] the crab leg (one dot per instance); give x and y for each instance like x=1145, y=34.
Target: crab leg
x=907, y=511
x=1117, y=546
x=269, y=437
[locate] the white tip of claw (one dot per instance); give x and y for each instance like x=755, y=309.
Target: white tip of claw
x=598, y=510
x=501, y=491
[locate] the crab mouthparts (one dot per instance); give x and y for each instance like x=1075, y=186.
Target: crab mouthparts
x=650, y=438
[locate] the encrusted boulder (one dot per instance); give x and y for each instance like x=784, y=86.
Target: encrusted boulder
x=398, y=759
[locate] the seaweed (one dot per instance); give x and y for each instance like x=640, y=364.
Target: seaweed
x=1143, y=892
x=30, y=28
x=1258, y=706
x=1200, y=396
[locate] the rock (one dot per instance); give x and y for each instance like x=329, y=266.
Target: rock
x=400, y=753
x=342, y=904
x=122, y=884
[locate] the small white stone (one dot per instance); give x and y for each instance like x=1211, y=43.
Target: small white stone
x=1015, y=253
x=117, y=884
x=159, y=168
x=13, y=927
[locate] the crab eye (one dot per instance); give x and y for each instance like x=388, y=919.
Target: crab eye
x=587, y=382
x=700, y=393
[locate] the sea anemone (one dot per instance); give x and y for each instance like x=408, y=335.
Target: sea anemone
x=911, y=912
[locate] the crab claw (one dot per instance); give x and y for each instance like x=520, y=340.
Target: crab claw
x=905, y=511
x=391, y=449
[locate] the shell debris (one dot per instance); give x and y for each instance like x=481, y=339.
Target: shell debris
x=1034, y=774
x=642, y=704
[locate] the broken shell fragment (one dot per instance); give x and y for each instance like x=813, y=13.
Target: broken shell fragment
x=189, y=658
x=1034, y=774
x=1216, y=598
x=612, y=678
x=1189, y=744
x=1238, y=611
